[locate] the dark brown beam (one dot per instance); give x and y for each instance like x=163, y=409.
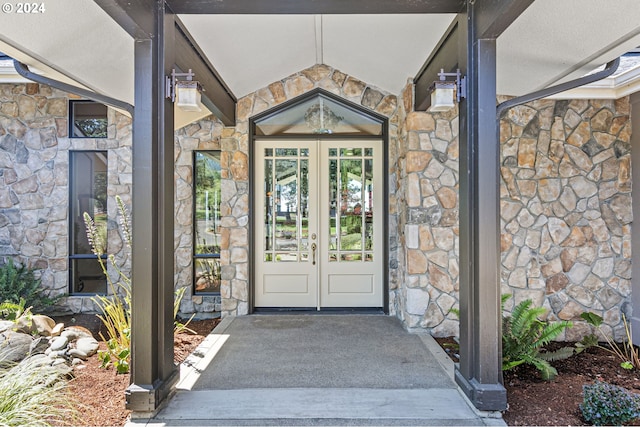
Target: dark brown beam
x=444, y=56
x=217, y=96
x=135, y=17
x=492, y=18
x=314, y=6
x=495, y=16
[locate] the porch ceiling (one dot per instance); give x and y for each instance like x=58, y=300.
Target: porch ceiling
x=252, y=51
x=550, y=42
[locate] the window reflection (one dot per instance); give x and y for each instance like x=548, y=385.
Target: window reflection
x=88, y=193
x=207, y=232
x=318, y=115
x=351, y=204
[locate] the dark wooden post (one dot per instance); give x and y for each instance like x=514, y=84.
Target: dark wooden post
x=152, y=369
x=480, y=372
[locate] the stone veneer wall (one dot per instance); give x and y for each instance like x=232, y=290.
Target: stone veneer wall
x=565, y=199
x=34, y=183
x=202, y=135
x=565, y=212
x=235, y=163
x=566, y=208
x=34, y=173
x=427, y=205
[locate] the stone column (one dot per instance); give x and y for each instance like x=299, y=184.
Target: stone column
x=635, y=196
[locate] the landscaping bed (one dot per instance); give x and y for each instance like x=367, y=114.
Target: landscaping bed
x=531, y=400
x=99, y=392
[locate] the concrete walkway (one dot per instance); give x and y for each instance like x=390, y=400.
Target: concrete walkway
x=317, y=370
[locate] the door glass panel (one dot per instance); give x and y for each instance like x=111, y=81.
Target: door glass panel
x=286, y=205
x=268, y=206
x=286, y=185
x=304, y=204
x=351, y=257
x=350, y=204
x=351, y=208
x=350, y=152
x=368, y=204
x=333, y=202
x=286, y=152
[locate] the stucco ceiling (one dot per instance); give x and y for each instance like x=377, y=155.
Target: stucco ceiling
x=552, y=41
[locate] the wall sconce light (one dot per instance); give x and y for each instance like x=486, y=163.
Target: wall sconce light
x=443, y=90
x=185, y=93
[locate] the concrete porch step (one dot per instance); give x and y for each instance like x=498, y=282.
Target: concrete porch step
x=314, y=406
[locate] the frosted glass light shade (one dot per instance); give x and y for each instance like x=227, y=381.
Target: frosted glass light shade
x=442, y=97
x=188, y=96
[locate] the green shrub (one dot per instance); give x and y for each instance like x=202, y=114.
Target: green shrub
x=18, y=282
x=524, y=336
x=607, y=404
x=13, y=312
x=34, y=394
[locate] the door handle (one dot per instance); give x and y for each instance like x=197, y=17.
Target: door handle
x=313, y=253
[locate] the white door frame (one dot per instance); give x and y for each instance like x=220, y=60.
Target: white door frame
x=320, y=272
x=383, y=140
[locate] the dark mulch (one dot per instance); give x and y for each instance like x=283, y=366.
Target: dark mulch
x=98, y=393
x=533, y=401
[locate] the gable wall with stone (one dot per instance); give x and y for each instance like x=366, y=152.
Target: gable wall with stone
x=235, y=287
x=565, y=199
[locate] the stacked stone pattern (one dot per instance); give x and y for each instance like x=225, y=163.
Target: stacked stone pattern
x=566, y=209
x=34, y=183
x=565, y=199
x=427, y=205
x=202, y=135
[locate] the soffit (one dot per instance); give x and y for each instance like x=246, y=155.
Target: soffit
x=74, y=41
x=252, y=51
x=551, y=41
x=556, y=41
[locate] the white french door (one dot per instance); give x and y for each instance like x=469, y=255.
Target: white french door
x=318, y=223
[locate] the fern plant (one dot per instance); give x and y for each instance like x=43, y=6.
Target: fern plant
x=524, y=336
